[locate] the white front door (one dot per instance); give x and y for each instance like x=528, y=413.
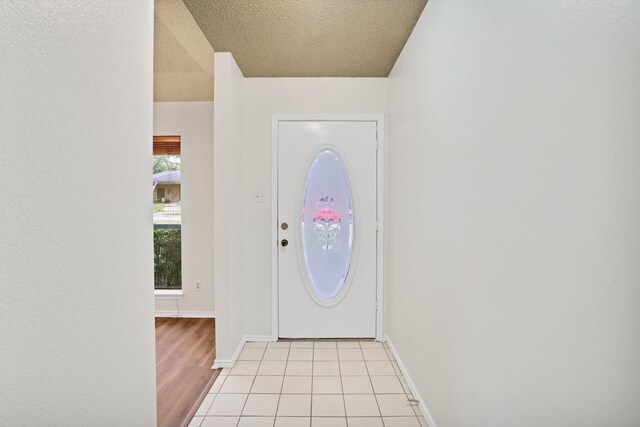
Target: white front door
x=327, y=213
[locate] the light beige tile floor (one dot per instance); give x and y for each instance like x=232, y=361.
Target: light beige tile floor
x=310, y=384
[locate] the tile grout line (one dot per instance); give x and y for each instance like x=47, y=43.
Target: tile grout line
x=399, y=375
x=313, y=362
x=194, y=417
x=375, y=396
x=286, y=363
x=344, y=403
x=215, y=394
x=414, y=409
x=252, y=382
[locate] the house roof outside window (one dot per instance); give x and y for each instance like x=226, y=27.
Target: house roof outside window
x=166, y=177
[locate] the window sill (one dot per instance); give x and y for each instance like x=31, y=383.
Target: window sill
x=169, y=294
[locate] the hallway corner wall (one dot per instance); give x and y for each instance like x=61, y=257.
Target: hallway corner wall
x=512, y=212
x=228, y=205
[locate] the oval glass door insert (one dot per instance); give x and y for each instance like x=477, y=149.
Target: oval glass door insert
x=327, y=225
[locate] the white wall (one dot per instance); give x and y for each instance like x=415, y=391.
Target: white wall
x=76, y=266
x=229, y=264
x=193, y=121
x=513, y=212
x=264, y=97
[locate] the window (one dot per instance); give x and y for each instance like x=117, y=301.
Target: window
x=167, y=213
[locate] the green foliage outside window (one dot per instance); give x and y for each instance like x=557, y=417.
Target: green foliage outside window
x=166, y=163
x=167, y=258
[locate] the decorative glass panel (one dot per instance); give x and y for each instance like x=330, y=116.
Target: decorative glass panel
x=327, y=224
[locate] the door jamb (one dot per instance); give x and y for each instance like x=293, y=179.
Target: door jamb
x=380, y=288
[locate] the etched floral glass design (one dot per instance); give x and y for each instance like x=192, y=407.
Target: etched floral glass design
x=327, y=224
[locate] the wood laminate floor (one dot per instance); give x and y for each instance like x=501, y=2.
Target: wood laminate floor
x=185, y=351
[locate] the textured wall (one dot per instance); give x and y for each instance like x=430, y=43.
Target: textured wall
x=320, y=38
x=76, y=263
x=513, y=212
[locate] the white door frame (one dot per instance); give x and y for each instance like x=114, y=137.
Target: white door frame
x=379, y=119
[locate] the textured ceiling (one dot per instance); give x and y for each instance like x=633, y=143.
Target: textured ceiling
x=309, y=38
x=182, y=56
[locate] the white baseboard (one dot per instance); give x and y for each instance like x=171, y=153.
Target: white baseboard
x=186, y=314
x=412, y=387
x=228, y=363
x=259, y=338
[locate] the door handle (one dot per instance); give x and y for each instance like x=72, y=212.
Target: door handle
x=284, y=242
